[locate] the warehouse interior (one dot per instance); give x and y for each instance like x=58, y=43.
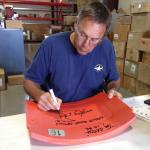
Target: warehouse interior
x=27, y=23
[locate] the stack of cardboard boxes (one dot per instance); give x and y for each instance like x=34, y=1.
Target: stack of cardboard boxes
x=135, y=71
x=136, y=78
x=143, y=78
x=131, y=61
x=121, y=30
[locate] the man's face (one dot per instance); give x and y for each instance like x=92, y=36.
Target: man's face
x=88, y=35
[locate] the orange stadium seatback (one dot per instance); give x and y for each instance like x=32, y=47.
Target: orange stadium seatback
x=92, y=119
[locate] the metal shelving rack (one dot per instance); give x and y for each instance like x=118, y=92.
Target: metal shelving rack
x=58, y=5
x=36, y=3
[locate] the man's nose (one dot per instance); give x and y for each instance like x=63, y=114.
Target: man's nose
x=86, y=42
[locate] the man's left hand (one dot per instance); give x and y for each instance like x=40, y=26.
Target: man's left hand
x=113, y=92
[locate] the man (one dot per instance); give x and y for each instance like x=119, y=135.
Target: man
x=75, y=64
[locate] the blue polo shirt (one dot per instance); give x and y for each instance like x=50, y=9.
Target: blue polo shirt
x=72, y=76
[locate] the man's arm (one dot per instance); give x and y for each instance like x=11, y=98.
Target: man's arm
x=44, y=99
x=113, y=87
x=33, y=89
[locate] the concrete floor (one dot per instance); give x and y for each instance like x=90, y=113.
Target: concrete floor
x=12, y=100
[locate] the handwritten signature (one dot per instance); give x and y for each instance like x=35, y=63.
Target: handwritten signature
x=98, y=128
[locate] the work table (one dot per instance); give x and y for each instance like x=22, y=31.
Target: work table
x=14, y=136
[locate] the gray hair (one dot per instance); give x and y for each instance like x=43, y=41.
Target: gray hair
x=97, y=12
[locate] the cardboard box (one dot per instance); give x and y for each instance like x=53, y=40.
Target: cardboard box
x=120, y=65
x=2, y=79
x=129, y=84
x=131, y=69
x=142, y=89
x=121, y=28
x=134, y=40
x=37, y=30
x=140, y=22
x=133, y=55
x=121, y=36
x=144, y=73
x=13, y=24
x=69, y=20
x=121, y=78
x=82, y=3
x=140, y=7
x=119, y=49
x=124, y=6
x=145, y=44
x=146, y=58
x=124, y=19
x=15, y=79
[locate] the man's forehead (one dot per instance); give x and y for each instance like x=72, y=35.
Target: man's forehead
x=92, y=29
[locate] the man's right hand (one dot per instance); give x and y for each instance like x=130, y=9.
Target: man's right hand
x=44, y=99
x=46, y=102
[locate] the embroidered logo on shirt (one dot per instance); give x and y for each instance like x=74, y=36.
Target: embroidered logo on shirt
x=98, y=67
